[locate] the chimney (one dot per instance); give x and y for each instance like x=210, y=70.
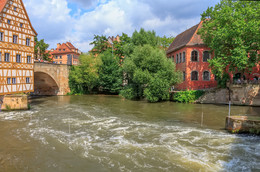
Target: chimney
x=58, y=45
x=52, y=50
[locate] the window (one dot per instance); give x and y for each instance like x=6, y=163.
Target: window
x=173, y=58
x=206, y=56
x=1, y=36
x=0, y=56
x=56, y=57
x=60, y=57
x=29, y=58
x=21, y=25
x=194, y=56
x=184, y=76
x=194, y=76
x=28, y=41
x=183, y=57
x=15, y=8
x=13, y=80
x=59, y=49
x=7, y=57
x=15, y=37
x=206, y=76
x=8, y=80
x=60, y=62
x=27, y=80
x=180, y=58
x=63, y=49
x=18, y=58
x=8, y=21
x=177, y=59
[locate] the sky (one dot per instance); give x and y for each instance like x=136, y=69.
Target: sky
x=77, y=21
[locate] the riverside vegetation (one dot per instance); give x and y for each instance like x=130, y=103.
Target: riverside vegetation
x=141, y=64
x=138, y=61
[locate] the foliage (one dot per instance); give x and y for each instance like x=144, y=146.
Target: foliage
x=187, y=96
x=85, y=77
x=145, y=37
x=165, y=42
x=149, y=74
x=119, y=47
x=110, y=73
x=231, y=29
x=40, y=50
x=100, y=43
x=223, y=80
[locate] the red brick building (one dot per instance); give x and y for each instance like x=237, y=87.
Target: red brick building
x=191, y=57
x=65, y=53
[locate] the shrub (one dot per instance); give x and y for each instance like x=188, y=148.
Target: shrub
x=188, y=96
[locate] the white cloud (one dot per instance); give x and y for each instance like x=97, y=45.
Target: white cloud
x=55, y=23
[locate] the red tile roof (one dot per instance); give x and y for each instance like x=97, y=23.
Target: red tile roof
x=2, y=4
x=187, y=38
x=65, y=48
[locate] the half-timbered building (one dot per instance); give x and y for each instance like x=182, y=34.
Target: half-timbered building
x=16, y=48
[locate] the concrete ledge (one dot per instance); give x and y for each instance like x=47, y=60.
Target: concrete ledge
x=243, y=124
x=15, y=102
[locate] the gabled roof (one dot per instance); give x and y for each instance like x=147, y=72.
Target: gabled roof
x=4, y=2
x=68, y=47
x=187, y=38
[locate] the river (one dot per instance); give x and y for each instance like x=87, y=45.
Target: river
x=108, y=133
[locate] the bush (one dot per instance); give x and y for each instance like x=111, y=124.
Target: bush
x=188, y=96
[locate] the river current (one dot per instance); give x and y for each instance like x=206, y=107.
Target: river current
x=108, y=133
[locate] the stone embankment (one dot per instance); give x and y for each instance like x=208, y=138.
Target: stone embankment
x=242, y=124
x=246, y=94
x=14, y=102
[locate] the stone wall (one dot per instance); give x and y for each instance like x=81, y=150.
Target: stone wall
x=49, y=76
x=14, y=102
x=247, y=94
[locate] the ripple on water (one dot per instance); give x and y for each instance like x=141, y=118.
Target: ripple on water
x=120, y=143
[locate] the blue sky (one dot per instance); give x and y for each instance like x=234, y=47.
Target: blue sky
x=58, y=21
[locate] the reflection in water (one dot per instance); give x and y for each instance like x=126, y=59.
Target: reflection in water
x=107, y=133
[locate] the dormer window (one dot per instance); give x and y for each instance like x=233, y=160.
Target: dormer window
x=15, y=8
x=8, y=21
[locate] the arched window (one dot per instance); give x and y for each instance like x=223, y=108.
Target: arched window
x=206, y=56
x=180, y=58
x=172, y=58
x=194, y=76
x=194, y=56
x=177, y=59
x=183, y=57
x=184, y=76
x=206, y=76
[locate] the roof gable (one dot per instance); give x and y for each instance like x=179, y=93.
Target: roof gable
x=65, y=48
x=188, y=37
x=3, y=6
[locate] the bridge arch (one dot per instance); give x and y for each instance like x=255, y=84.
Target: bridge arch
x=45, y=85
x=51, y=79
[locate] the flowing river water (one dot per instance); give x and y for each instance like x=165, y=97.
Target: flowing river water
x=108, y=133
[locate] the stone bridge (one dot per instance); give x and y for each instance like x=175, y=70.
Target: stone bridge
x=51, y=79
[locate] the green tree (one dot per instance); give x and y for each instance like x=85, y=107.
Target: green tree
x=145, y=37
x=119, y=47
x=85, y=77
x=149, y=74
x=100, y=43
x=165, y=42
x=40, y=49
x=110, y=73
x=231, y=29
